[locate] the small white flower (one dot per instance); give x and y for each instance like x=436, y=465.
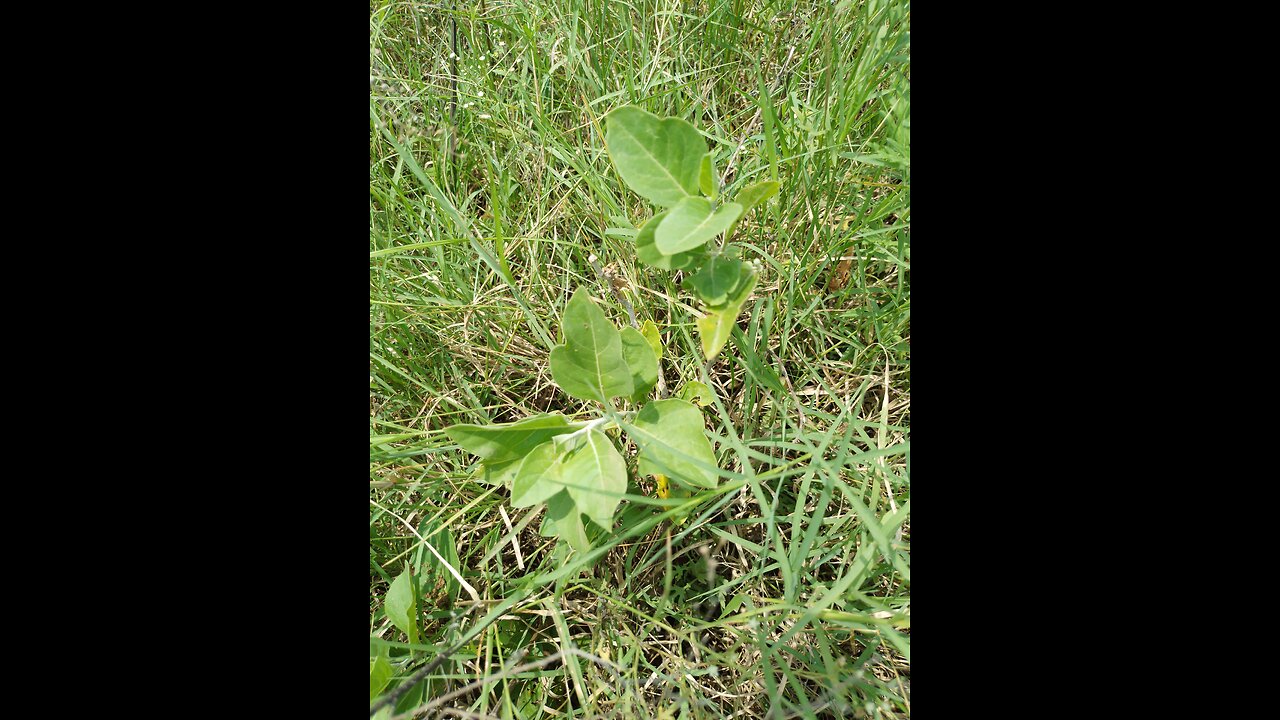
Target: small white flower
x=481, y=58
x=480, y=94
x=485, y=117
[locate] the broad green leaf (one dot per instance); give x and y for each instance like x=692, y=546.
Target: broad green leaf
x=751, y=196
x=647, y=249
x=596, y=477
x=660, y=159
x=508, y=441
x=379, y=675
x=714, y=329
x=504, y=473
x=717, y=280
x=707, y=177
x=400, y=606
x=696, y=392
x=590, y=365
x=564, y=521
x=650, y=332
x=642, y=361
x=592, y=477
x=691, y=223
x=672, y=442
x=538, y=477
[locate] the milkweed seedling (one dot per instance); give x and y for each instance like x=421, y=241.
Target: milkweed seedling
x=574, y=467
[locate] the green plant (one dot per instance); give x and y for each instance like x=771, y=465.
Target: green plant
x=574, y=467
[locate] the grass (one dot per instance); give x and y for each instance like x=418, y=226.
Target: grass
x=786, y=591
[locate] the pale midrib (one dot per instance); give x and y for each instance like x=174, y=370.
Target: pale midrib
x=653, y=158
x=598, y=458
x=597, y=355
x=595, y=456
x=706, y=221
x=578, y=488
x=715, y=218
x=692, y=232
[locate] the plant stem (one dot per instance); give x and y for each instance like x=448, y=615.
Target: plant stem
x=610, y=414
x=608, y=282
